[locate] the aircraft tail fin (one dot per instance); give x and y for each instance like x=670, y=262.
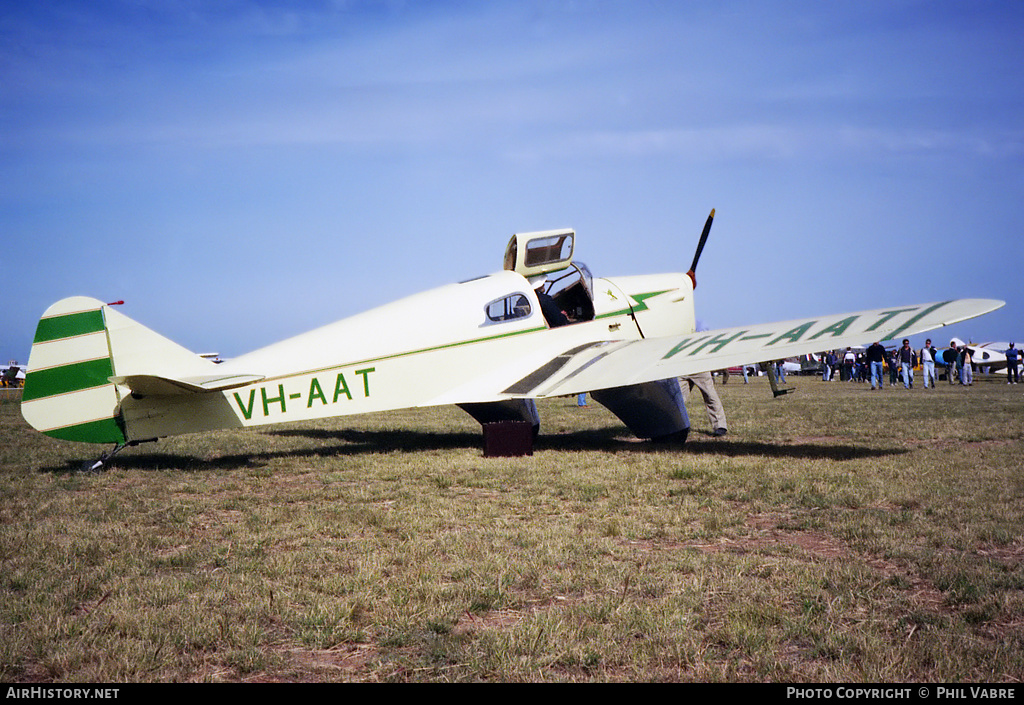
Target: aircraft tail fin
x=82, y=353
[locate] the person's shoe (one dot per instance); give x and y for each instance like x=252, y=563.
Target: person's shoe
x=719, y=432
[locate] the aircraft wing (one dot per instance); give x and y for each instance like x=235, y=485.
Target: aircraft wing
x=614, y=364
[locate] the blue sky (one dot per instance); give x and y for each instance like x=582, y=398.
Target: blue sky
x=239, y=172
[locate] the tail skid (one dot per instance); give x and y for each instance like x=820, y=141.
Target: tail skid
x=97, y=465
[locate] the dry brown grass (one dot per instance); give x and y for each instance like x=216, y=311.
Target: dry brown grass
x=835, y=534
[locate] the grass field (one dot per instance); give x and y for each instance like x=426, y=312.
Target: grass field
x=835, y=534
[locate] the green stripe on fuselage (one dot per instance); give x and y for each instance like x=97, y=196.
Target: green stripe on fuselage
x=67, y=378
x=68, y=326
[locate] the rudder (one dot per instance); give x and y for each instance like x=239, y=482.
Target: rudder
x=68, y=393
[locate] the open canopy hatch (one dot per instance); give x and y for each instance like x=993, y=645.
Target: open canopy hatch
x=539, y=253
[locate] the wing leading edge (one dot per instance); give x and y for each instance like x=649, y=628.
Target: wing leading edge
x=633, y=362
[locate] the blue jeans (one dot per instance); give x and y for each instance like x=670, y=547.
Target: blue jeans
x=908, y=374
x=876, y=375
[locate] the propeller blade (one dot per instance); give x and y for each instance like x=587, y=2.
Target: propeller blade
x=700, y=248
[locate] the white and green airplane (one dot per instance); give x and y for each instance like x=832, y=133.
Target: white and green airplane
x=541, y=327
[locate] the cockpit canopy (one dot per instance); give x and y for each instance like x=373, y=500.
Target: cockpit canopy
x=564, y=298
x=540, y=253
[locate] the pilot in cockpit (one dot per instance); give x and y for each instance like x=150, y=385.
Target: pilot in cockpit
x=553, y=314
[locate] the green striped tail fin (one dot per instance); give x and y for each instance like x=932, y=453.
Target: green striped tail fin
x=68, y=393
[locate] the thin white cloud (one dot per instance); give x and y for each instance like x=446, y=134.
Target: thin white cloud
x=773, y=142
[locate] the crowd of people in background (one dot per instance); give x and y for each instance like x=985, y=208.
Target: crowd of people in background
x=901, y=363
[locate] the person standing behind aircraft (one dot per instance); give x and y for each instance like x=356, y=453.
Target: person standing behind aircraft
x=847, y=371
x=928, y=363
x=780, y=370
x=876, y=359
x=716, y=412
x=1012, y=356
x=949, y=357
x=966, y=367
x=906, y=358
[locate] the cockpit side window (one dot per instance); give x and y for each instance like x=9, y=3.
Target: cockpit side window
x=509, y=308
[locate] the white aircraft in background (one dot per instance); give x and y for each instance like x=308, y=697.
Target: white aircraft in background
x=13, y=375
x=990, y=355
x=791, y=368
x=541, y=327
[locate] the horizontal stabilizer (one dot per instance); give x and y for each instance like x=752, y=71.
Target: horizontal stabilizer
x=150, y=364
x=152, y=385
x=83, y=356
